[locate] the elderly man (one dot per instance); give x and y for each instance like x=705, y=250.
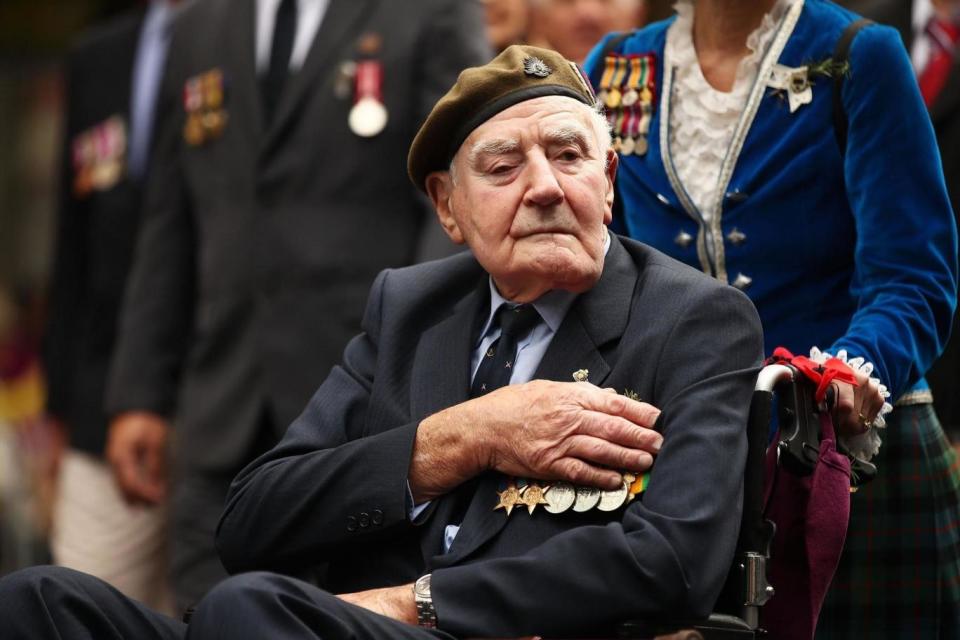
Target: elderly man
x=481, y=464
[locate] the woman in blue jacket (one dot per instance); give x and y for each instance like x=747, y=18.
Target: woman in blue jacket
x=731, y=161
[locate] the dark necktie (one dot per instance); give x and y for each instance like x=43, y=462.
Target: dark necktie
x=496, y=365
x=284, y=31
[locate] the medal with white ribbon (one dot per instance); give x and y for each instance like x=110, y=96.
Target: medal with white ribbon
x=368, y=117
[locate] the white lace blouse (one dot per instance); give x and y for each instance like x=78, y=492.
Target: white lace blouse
x=703, y=119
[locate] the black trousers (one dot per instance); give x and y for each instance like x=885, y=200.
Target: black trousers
x=197, y=500
x=43, y=603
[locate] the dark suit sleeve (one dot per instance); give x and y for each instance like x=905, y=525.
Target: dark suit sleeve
x=672, y=549
x=156, y=319
x=298, y=503
x=66, y=284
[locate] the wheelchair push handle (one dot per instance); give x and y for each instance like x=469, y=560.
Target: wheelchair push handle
x=798, y=417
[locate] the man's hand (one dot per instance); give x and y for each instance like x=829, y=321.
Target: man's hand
x=137, y=451
x=856, y=407
x=545, y=430
x=393, y=602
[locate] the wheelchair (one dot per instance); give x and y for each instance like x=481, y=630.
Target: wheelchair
x=782, y=397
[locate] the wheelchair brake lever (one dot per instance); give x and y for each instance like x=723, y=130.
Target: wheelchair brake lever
x=800, y=440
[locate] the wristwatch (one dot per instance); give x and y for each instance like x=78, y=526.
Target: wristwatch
x=426, y=614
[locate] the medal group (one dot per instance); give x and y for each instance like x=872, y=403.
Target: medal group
x=628, y=91
x=203, y=102
x=560, y=497
x=99, y=155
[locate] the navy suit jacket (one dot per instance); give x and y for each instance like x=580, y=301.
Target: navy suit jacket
x=258, y=247
x=96, y=234
x=334, y=490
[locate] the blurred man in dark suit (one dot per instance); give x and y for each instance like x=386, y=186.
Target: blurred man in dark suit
x=931, y=32
x=113, y=74
x=277, y=195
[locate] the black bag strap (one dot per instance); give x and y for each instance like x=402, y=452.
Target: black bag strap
x=841, y=55
x=614, y=43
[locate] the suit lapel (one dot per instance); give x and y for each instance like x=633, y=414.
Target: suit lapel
x=596, y=319
x=441, y=379
x=441, y=364
x=244, y=94
x=339, y=26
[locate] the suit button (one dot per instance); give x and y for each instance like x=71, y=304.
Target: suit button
x=364, y=520
x=736, y=196
x=351, y=524
x=377, y=517
x=683, y=239
x=736, y=237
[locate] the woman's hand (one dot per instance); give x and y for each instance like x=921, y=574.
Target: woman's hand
x=858, y=406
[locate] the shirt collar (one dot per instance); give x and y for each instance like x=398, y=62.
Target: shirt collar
x=922, y=12
x=552, y=306
x=158, y=15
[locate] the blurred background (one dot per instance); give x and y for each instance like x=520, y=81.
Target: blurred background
x=34, y=36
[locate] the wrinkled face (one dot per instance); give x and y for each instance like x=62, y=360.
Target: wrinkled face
x=531, y=193
x=573, y=27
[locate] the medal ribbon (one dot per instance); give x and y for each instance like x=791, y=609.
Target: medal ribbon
x=634, y=80
x=606, y=81
x=369, y=81
x=621, y=71
x=192, y=95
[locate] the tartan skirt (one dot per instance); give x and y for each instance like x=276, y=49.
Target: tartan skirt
x=899, y=575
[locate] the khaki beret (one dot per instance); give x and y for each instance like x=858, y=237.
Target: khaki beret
x=520, y=73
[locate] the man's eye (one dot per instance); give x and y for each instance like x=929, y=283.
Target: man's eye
x=570, y=155
x=501, y=169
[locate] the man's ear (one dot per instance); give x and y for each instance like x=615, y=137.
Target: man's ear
x=439, y=186
x=613, y=162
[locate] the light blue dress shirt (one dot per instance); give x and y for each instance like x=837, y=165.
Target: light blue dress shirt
x=147, y=72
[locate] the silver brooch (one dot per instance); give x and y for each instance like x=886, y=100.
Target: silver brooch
x=536, y=67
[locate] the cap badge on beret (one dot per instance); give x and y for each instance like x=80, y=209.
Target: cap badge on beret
x=520, y=72
x=533, y=66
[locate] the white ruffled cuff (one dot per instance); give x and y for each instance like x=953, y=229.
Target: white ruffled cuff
x=864, y=445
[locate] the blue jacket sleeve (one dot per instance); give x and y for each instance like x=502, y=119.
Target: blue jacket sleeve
x=906, y=253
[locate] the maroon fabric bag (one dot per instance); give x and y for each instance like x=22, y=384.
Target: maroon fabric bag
x=811, y=514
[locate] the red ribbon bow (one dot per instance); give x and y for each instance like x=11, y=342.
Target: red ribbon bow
x=820, y=374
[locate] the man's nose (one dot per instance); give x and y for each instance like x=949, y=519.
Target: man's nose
x=543, y=189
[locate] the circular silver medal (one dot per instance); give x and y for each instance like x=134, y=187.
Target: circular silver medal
x=560, y=497
x=630, y=98
x=587, y=498
x=613, y=500
x=367, y=118
x=628, y=146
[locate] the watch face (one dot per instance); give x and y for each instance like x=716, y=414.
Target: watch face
x=422, y=586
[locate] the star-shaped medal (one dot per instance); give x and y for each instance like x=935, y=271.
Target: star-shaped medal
x=533, y=495
x=509, y=498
